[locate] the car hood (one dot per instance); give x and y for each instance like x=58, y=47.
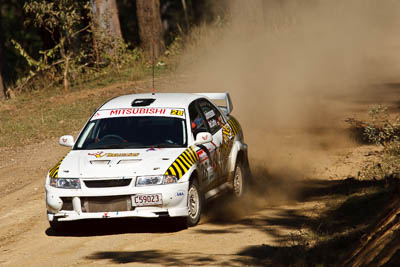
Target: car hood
x=117, y=163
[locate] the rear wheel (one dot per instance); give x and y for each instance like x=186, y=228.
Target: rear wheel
x=195, y=204
x=239, y=180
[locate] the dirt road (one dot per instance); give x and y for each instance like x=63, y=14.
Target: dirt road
x=224, y=237
x=231, y=233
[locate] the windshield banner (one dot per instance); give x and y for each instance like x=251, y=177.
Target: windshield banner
x=130, y=112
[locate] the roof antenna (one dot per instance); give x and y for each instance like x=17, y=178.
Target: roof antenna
x=152, y=56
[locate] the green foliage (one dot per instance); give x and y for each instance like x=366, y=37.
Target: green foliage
x=60, y=17
x=82, y=50
x=382, y=129
x=12, y=27
x=62, y=20
x=22, y=52
x=36, y=66
x=175, y=48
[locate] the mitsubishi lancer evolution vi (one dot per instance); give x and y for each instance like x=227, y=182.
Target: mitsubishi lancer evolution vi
x=149, y=155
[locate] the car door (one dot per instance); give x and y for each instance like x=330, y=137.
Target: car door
x=205, y=152
x=198, y=125
x=210, y=152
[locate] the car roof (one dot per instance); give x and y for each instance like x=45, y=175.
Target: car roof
x=162, y=100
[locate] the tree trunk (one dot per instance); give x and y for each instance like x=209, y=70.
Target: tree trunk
x=186, y=14
x=106, y=16
x=3, y=91
x=2, y=88
x=150, y=26
x=107, y=31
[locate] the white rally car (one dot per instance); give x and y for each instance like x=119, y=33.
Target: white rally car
x=149, y=155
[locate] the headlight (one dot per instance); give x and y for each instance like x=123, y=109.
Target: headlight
x=155, y=180
x=67, y=183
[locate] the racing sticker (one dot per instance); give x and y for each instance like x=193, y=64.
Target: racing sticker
x=210, y=114
x=101, y=154
x=153, y=149
x=180, y=193
x=183, y=163
x=212, y=123
x=53, y=173
x=177, y=112
x=128, y=112
x=134, y=111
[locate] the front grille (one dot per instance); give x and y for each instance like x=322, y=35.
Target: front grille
x=107, y=183
x=67, y=203
x=106, y=204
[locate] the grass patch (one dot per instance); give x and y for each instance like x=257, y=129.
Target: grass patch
x=32, y=120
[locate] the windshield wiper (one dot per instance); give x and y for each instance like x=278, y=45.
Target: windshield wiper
x=166, y=145
x=113, y=146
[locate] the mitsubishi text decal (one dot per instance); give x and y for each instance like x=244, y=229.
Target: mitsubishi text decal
x=128, y=112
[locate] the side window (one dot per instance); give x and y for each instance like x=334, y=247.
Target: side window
x=196, y=120
x=212, y=115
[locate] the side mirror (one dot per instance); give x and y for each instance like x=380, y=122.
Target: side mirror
x=203, y=138
x=66, y=140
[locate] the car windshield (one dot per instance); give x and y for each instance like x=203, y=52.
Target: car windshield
x=133, y=132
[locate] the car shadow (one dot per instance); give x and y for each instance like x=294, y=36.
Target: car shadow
x=101, y=227
x=164, y=258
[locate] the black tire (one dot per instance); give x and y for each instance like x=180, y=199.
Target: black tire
x=195, y=204
x=239, y=181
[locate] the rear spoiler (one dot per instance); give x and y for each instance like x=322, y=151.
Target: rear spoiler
x=221, y=96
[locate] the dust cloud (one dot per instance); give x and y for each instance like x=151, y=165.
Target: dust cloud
x=294, y=70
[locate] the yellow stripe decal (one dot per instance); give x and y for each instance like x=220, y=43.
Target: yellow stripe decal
x=194, y=153
x=239, y=129
x=180, y=174
x=54, y=171
x=183, y=163
x=187, y=158
x=190, y=156
x=172, y=171
x=184, y=169
x=233, y=126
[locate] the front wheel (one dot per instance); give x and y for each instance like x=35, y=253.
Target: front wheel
x=195, y=204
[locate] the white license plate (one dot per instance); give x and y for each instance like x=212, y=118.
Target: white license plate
x=146, y=200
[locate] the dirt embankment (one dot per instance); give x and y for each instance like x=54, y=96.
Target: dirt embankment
x=380, y=246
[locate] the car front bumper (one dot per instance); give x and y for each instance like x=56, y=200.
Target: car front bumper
x=77, y=204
